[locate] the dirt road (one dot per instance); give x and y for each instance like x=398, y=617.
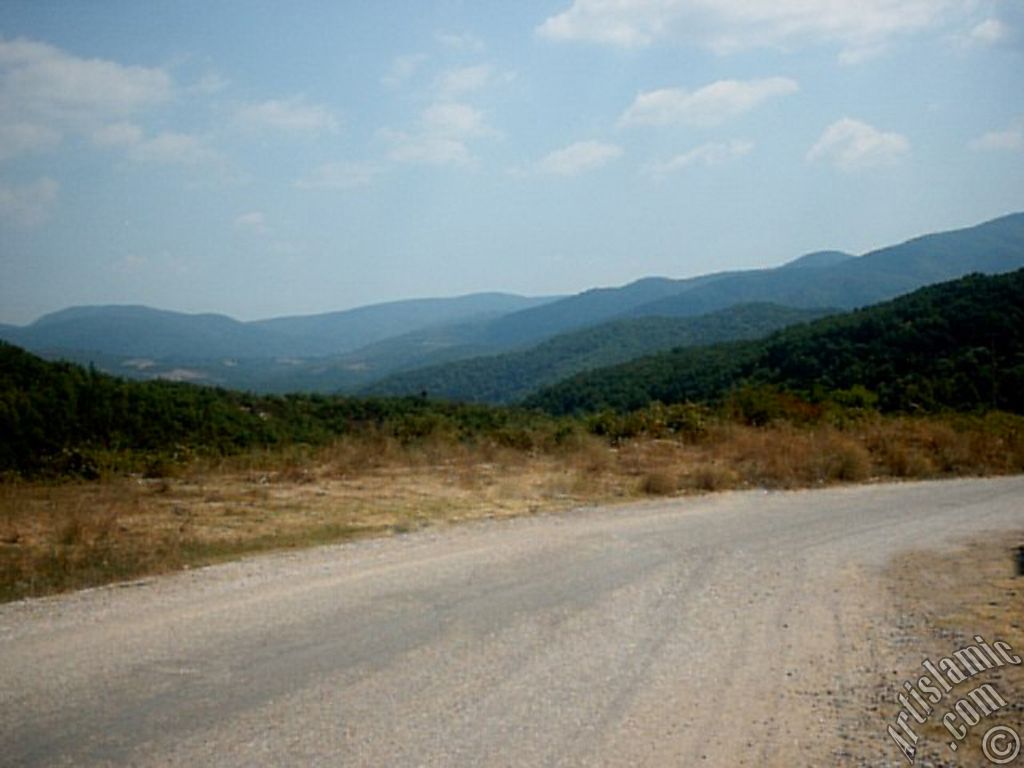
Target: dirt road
x=735, y=629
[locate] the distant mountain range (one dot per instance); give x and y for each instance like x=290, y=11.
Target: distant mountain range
x=382, y=346
x=280, y=354
x=144, y=332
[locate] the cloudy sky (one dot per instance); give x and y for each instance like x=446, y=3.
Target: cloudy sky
x=260, y=158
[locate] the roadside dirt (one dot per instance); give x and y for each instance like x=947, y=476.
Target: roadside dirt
x=942, y=600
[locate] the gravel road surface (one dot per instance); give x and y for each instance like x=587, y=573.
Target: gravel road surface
x=724, y=630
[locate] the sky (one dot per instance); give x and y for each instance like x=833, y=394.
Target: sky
x=261, y=159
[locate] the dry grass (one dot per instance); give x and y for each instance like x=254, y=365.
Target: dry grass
x=59, y=536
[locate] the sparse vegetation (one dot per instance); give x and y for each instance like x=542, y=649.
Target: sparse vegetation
x=59, y=534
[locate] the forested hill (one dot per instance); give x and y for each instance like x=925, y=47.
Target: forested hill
x=514, y=375
x=955, y=345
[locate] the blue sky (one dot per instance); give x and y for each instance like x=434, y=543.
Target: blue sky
x=262, y=159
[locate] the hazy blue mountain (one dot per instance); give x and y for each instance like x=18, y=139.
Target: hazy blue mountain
x=823, y=279
x=993, y=247
x=9, y=332
x=818, y=259
x=143, y=332
x=418, y=349
x=481, y=336
x=587, y=308
x=338, y=332
x=327, y=374
x=512, y=376
x=488, y=336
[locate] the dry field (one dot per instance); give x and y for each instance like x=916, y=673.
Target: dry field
x=56, y=536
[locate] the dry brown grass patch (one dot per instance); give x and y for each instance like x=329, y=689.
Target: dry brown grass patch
x=57, y=536
x=659, y=483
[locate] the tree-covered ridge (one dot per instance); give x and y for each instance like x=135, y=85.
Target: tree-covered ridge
x=514, y=375
x=957, y=345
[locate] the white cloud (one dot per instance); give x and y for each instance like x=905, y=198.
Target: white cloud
x=455, y=119
x=628, y=23
x=426, y=149
x=253, y=222
x=729, y=25
x=17, y=138
x=45, y=81
x=403, y=68
x=1010, y=140
x=117, y=135
x=28, y=205
x=456, y=82
x=854, y=55
x=211, y=83
x=713, y=153
x=167, y=148
x=577, y=158
x=465, y=42
x=851, y=145
x=445, y=128
x=294, y=115
x=46, y=93
x=171, y=148
x=710, y=105
x=340, y=176
x=989, y=32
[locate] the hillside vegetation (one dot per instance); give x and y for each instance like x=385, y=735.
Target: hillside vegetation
x=956, y=345
x=512, y=376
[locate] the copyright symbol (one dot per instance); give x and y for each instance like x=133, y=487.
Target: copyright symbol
x=1000, y=744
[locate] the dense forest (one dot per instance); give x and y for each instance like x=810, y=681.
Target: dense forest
x=956, y=346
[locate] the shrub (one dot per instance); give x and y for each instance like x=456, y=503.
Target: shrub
x=659, y=483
